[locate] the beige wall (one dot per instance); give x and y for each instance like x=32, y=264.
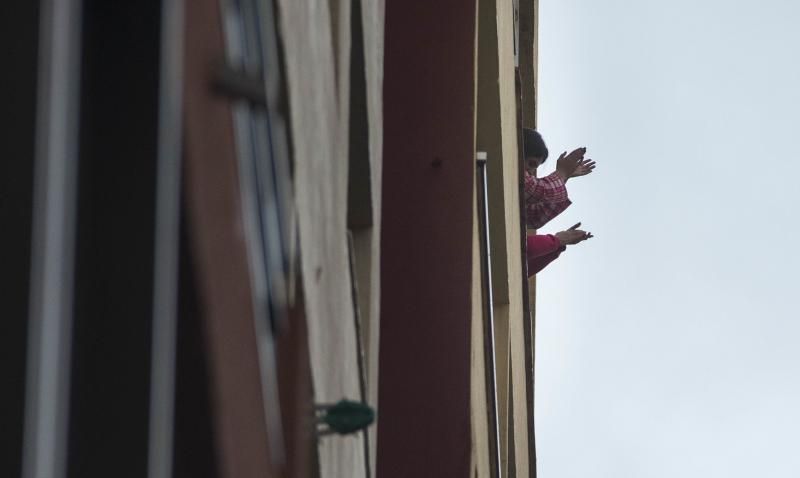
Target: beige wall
x=497, y=135
x=316, y=39
x=317, y=42
x=372, y=12
x=480, y=427
x=317, y=68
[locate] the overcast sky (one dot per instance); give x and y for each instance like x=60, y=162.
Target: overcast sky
x=669, y=345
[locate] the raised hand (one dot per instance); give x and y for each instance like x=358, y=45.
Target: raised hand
x=585, y=166
x=567, y=164
x=573, y=235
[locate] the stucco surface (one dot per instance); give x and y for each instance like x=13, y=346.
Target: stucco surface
x=319, y=138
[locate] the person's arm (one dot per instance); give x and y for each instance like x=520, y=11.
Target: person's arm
x=550, y=188
x=536, y=264
x=544, y=249
x=542, y=244
x=545, y=198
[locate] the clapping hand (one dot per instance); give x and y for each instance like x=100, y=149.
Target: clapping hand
x=574, y=164
x=585, y=166
x=573, y=235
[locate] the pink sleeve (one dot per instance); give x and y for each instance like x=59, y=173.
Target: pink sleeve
x=536, y=265
x=542, y=250
x=541, y=244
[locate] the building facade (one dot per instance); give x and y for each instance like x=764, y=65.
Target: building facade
x=227, y=215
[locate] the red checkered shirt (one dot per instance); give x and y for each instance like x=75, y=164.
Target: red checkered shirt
x=545, y=198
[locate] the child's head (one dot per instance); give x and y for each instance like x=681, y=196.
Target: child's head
x=535, y=149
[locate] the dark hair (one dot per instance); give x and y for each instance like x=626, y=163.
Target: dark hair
x=534, y=144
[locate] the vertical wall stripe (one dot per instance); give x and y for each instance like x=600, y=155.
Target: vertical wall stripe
x=165, y=281
x=52, y=265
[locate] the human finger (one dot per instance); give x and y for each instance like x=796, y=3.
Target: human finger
x=574, y=156
x=581, y=237
x=575, y=226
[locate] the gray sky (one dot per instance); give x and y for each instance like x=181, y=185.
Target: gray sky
x=669, y=345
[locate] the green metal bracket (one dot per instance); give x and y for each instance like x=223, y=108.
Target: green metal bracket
x=344, y=417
